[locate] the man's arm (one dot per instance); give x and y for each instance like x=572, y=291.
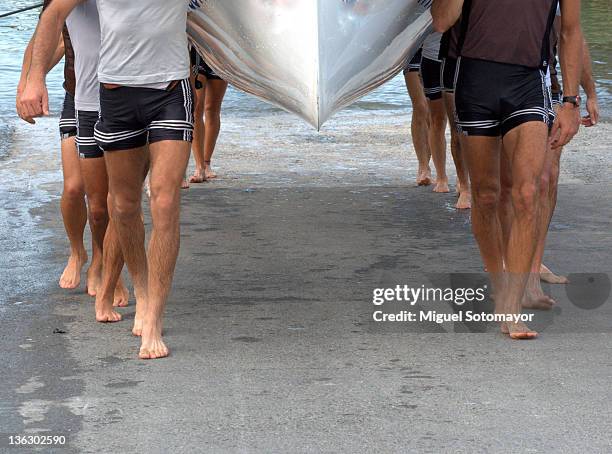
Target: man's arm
x=588, y=85
x=570, y=53
x=34, y=98
x=25, y=69
x=445, y=14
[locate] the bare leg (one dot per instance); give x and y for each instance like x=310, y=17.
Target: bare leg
x=437, y=143
x=553, y=180
x=74, y=214
x=95, y=180
x=419, y=126
x=126, y=172
x=112, y=292
x=505, y=209
x=463, y=180
x=198, y=133
x=525, y=147
x=482, y=155
x=215, y=92
x=534, y=297
x=168, y=163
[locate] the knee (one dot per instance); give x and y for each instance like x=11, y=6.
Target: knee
x=98, y=214
x=212, y=114
x=438, y=120
x=73, y=190
x=165, y=208
x=545, y=185
x=525, y=199
x=486, y=198
x=125, y=209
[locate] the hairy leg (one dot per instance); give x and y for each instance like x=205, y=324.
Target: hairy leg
x=168, y=163
x=95, y=180
x=112, y=291
x=74, y=214
x=482, y=156
x=525, y=147
x=419, y=126
x=463, y=180
x=437, y=143
x=126, y=172
x=553, y=185
x=215, y=92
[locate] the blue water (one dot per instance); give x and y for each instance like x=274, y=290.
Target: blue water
x=16, y=31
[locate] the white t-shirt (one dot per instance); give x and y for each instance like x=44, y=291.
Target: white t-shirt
x=431, y=46
x=84, y=28
x=143, y=42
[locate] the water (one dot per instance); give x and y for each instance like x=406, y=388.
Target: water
x=15, y=32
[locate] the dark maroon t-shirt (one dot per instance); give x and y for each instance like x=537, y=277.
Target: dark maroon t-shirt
x=69, y=77
x=508, y=31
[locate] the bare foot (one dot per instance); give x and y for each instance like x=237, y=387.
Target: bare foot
x=548, y=276
x=71, y=277
x=465, y=201
x=534, y=297
x=104, y=309
x=137, y=328
x=424, y=177
x=441, y=186
x=184, y=184
x=107, y=316
x=122, y=294
x=208, y=172
x=518, y=331
x=198, y=176
x=152, y=346
x=94, y=278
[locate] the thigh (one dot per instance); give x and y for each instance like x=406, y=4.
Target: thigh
x=95, y=179
x=126, y=173
x=449, y=105
x=168, y=164
x=525, y=147
x=70, y=162
x=215, y=92
x=415, y=88
x=482, y=156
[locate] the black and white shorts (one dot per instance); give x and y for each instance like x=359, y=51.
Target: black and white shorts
x=432, y=79
x=85, y=141
x=557, y=99
x=414, y=65
x=131, y=117
x=449, y=70
x=493, y=98
x=201, y=67
x=67, y=122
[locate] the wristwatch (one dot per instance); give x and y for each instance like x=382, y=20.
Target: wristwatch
x=575, y=100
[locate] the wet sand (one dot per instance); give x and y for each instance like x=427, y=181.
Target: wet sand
x=271, y=349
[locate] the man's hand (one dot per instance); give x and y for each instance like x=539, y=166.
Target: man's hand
x=592, y=116
x=566, y=125
x=34, y=101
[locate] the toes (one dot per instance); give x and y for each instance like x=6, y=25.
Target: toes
x=524, y=336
